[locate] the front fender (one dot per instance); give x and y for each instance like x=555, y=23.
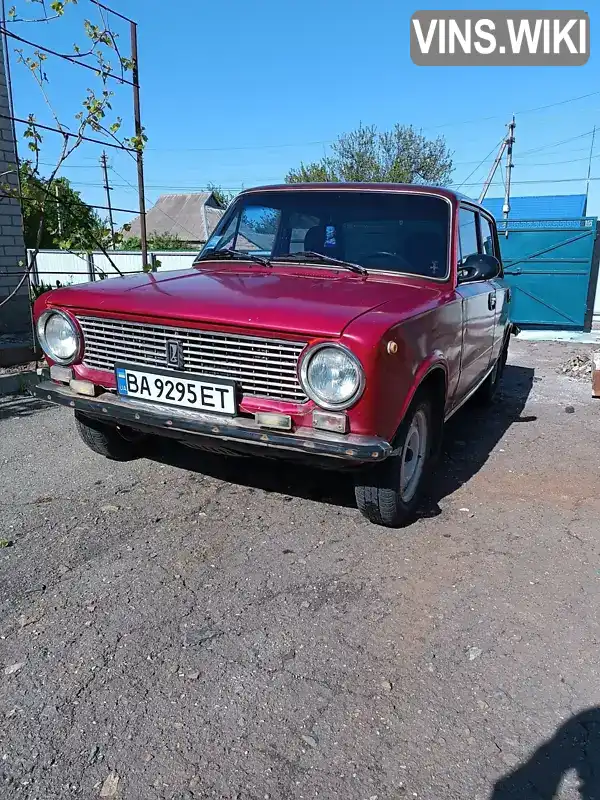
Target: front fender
x=397, y=356
x=435, y=361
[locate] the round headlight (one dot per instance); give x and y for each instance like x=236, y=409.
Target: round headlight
x=332, y=376
x=58, y=337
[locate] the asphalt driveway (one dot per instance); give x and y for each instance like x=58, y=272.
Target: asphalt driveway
x=195, y=627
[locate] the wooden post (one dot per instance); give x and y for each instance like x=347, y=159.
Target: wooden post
x=596, y=375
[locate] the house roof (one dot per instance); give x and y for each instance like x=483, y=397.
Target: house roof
x=542, y=207
x=191, y=217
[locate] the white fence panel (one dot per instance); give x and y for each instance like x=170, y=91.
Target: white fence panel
x=175, y=259
x=56, y=265
x=71, y=268
x=127, y=263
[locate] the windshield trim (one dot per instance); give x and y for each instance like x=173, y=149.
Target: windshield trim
x=349, y=187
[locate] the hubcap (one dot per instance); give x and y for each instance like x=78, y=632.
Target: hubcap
x=413, y=456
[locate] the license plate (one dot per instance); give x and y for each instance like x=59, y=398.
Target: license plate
x=198, y=392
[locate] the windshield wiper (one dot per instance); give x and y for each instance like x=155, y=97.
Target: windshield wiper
x=312, y=255
x=231, y=255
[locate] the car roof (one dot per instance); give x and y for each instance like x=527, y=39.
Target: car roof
x=418, y=188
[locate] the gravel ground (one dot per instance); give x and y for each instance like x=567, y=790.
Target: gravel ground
x=188, y=627
x=30, y=366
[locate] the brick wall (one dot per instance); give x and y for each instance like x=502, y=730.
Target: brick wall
x=15, y=315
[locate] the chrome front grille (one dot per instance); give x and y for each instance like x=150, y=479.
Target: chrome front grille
x=262, y=367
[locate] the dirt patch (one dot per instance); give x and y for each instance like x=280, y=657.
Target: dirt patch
x=580, y=366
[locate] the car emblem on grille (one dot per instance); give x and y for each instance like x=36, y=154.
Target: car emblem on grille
x=174, y=353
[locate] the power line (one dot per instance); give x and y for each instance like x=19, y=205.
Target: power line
x=558, y=103
x=481, y=163
x=242, y=147
x=191, y=187
x=557, y=144
x=570, y=161
x=517, y=113
x=330, y=141
x=177, y=222
x=540, y=181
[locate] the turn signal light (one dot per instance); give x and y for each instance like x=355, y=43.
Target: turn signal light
x=60, y=374
x=330, y=421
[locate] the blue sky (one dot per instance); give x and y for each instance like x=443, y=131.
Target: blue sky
x=236, y=93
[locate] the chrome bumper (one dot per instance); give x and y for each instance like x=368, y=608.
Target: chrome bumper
x=181, y=423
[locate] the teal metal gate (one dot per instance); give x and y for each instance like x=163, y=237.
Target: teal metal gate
x=552, y=268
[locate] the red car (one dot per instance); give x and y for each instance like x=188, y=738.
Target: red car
x=342, y=323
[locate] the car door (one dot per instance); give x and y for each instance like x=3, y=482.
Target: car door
x=490, y=245
x=479, y=308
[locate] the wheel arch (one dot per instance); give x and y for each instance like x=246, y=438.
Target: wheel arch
x=432, y=378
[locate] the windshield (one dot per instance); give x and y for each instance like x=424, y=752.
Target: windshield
x=389, y=231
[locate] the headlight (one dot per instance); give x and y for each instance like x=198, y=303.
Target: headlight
x=332, y=376
x=58, y=337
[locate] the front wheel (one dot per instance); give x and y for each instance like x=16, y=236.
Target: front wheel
x=113, y=443
x=389, y=493
x=489, y=388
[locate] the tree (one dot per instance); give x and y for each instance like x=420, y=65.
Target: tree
x=101, y=54
x=64, y=221
x=222, y=196
x=156, y=241
x=402, y=155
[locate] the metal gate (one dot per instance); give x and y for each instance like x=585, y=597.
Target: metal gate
x=552, y=267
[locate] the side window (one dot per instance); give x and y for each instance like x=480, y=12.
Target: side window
x=487, y=237
x=467, y=226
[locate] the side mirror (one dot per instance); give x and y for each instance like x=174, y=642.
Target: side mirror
x=479, y=267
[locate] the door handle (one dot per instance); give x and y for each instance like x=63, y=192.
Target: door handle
x=492, y=301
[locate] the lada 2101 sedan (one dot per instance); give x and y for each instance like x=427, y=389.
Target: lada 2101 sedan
x=343, y=323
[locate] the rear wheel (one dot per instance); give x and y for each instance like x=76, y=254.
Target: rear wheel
x=111, y=442
x=389, y=494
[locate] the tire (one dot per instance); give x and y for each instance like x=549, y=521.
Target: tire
x=379, y=493
x=489, y=388
x=109, y=441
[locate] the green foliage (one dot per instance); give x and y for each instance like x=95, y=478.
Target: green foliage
x=66, y=220
x=136, y=142
x=156, y=241
x=402, y=155
x=42, y=288
x=222, y=196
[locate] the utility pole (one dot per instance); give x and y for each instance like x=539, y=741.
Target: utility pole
x=506, y=144
x=510, y=140
x=139, y=132
x=492, y=172
x=104, y=165
x=589, y=174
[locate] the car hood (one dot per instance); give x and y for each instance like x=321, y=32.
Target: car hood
x=303, y=301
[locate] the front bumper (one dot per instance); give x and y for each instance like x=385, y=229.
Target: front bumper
x=198, y=426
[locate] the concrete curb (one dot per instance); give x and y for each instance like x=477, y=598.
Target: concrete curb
x=19, y=382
